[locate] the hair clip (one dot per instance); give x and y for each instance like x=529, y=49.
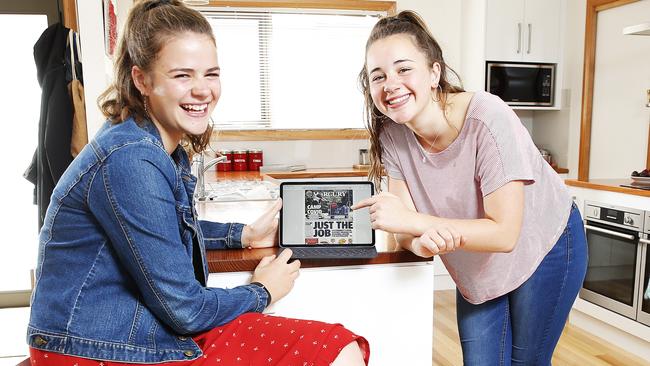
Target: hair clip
x=155, y=4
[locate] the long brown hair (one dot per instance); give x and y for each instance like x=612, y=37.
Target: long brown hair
x=410, y=23
x=149, y=26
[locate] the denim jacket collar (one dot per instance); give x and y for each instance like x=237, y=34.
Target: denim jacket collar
x=178, y=155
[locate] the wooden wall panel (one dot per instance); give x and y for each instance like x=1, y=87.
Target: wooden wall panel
x=69, y=9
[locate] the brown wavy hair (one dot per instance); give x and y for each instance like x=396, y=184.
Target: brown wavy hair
x=410, y=23
x=149, y=26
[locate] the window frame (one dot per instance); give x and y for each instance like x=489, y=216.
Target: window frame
x=390, y=7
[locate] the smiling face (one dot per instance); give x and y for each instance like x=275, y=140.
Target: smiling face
x=401, y=81
x=182, y=88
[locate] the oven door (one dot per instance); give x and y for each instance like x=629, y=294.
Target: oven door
x=612, y=279
x=644, y=291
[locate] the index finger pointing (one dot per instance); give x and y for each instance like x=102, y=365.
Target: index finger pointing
x=364, y=203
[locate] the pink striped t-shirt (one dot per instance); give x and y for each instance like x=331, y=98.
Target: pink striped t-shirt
x=493, y=148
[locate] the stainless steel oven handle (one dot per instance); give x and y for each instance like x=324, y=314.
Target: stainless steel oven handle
x=530, y=35
x=519, y=38
x=644, y=241
x=611, y=232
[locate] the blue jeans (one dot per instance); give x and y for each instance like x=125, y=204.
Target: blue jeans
x=524, y=326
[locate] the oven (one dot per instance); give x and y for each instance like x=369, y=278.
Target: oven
x=643, y=312
x=614, y=270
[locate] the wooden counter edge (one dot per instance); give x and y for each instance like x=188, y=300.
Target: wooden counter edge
x=245, y=260
x=607, y=187
x=309, y=173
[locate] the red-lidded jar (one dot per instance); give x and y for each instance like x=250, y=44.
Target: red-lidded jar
x=255, y=159
x=226, y=165
x=239, y=160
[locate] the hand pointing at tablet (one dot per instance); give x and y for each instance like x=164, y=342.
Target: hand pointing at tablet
x=387, y=212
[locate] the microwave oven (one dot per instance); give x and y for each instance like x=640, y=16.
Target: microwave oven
x=521, y=84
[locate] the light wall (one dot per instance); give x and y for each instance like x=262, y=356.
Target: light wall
x=619, y=127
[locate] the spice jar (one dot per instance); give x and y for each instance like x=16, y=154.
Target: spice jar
x=239, y=160
x=226, y=165
x=255, y=159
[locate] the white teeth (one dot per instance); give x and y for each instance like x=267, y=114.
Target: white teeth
x=399, y=100
x=194, y=107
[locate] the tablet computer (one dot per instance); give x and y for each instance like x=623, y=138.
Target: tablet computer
x=316, y=220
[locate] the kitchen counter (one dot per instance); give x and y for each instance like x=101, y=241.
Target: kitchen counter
x=611, y=185
x=303, y=174
x=246, y=260
x=396, y=287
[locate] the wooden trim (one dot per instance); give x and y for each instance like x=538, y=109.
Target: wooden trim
x=593, y=7
x=388, y=6
x=69, y=8
x=609, y=185
x=612, y=4
x=280, y=135
x=237, y=260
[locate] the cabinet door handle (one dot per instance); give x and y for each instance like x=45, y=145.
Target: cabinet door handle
x=610, y=232
x=644, y=241
x=530, y=32
x=519, y=38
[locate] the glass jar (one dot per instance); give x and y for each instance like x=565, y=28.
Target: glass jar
x=255, y=159
x=239, y=160
x=226, y=165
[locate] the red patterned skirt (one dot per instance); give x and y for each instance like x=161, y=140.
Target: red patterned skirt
x=251, y=339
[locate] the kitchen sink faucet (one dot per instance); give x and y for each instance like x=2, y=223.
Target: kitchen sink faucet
x=198, y=169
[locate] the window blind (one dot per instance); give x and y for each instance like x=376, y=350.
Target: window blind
x=288, y=69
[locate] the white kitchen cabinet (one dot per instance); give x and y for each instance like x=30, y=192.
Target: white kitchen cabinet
x=523, y=30
x=391, y=305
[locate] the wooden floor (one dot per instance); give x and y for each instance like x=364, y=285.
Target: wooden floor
x=576, y=346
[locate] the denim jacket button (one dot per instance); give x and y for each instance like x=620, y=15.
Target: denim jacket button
x=182, y=338
x=40, y=341
x=188, y=353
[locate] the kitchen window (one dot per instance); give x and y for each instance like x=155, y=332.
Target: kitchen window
x=290, y=68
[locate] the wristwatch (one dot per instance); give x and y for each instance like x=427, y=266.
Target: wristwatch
x=268, y=298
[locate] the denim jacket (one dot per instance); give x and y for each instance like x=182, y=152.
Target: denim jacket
x=121, y=269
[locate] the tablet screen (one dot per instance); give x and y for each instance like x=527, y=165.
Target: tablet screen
x=318, y=213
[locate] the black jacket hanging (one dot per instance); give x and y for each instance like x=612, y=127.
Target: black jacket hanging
x=52, y=155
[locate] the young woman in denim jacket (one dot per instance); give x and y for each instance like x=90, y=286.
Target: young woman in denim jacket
x=466, y=182
x=121, y=276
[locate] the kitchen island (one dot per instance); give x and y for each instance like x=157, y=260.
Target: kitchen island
x=387, y=299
